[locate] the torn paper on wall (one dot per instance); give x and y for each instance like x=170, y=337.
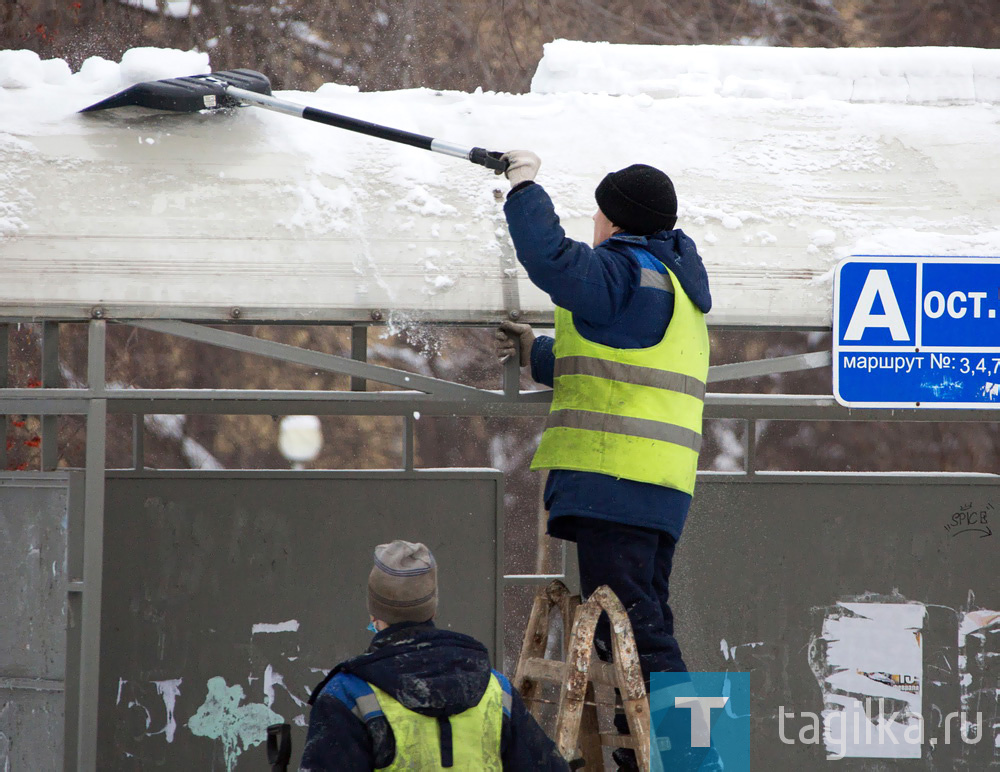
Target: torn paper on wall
x=979, y=668
x=869, y=664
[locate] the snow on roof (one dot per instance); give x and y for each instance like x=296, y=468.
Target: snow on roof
x=189, y=216
x=896, y=75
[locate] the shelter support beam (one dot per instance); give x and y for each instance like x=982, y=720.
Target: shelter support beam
x=4, y=351
x=512, y=376
x=40, y=403
x=138, y=442
x=530, y=579
x=328, y=362
x=359, y=352
x=409, y=444
x=760, y=367
x=777, y=407
x=51, y=377
x=750, y=447
x=93, y=554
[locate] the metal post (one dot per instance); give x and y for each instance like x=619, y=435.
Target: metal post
x=512, y=373
x=50, y=379
x=408, y=431
x=359, y=351
x=750, y=448
x=138, y=442
x=4, y=348
x=93, y=552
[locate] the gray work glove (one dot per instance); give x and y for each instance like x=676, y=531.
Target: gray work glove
x=506, y=347
x=522, y=166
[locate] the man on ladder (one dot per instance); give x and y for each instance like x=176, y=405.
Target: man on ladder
x=629, y=365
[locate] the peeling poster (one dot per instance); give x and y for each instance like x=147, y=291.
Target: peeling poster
x=869, y=664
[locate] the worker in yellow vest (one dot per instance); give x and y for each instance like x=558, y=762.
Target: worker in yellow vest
x=628, y=365
x=420, y=698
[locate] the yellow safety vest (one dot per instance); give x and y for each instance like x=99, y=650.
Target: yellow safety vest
x=475, y=734
x=630, y=413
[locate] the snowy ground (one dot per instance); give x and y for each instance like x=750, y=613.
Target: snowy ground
x=785, y=161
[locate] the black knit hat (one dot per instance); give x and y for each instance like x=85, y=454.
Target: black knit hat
x=639, y=199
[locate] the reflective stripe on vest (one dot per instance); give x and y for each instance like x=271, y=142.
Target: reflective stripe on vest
x=366, y=707
x=631, y=427
x=630, y=413
x=619, y=371
x=508, y=696
x=650, y=278
x=474, y=733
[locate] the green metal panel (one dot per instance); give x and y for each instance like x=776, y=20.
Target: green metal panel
x=765, y=566
x=228, y=595
x=34, y=512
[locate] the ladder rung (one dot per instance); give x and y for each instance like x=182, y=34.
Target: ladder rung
x=532, y=700
x=534, y=670
x=538, y=669
x=554, y=670
x=615, y=740
x=603, y=673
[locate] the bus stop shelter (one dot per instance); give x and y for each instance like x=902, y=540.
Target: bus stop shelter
x=147, y=595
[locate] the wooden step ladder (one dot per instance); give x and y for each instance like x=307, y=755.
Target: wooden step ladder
x=577, y=730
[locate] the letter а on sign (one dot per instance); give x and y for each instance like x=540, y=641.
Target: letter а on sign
x=877, y=285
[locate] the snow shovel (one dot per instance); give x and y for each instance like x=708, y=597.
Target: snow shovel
x=232, y=88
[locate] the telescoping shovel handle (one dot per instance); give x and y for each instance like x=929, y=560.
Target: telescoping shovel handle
x=491, y=159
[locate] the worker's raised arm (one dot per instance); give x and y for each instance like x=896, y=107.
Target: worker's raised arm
x=595, y=284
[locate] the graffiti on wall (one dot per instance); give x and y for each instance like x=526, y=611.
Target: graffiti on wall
x=233, y=715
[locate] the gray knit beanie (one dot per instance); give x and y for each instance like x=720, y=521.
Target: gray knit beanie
x=402, y=586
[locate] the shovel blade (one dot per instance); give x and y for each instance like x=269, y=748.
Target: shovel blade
x=187, y=95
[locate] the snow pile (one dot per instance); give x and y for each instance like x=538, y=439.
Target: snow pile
x=898, y=75
x=35, y=93
x=25, y=70
x=907, y=241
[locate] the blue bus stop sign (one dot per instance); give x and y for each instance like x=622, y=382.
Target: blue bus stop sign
x=917, y=332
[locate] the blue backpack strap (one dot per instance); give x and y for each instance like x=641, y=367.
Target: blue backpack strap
x=653, y=272
x=356, y=695
x=508, y=696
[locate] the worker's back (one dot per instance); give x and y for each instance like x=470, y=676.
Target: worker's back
x=422, y=698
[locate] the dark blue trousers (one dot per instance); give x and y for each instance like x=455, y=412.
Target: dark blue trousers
x=635, y=563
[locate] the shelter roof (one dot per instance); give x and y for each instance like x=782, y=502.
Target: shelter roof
x=785, y=161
